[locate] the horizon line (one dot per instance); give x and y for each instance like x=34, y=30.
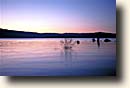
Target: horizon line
x=57, y=32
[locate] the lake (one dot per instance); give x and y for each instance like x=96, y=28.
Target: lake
x=47, y=57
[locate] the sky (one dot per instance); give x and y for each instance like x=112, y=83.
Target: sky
x=58, y=16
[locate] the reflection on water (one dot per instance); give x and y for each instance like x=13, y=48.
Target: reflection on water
x=68, y=57
x=37, y=57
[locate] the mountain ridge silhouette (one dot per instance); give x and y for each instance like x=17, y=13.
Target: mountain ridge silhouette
x=5, y=33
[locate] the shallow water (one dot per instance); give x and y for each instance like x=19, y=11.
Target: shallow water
x=47, y=57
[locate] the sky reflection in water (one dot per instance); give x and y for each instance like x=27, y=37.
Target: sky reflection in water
x=46, y=57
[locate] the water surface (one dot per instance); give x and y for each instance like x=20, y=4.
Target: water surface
x=47, y=57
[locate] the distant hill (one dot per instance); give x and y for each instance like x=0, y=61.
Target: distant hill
x=5, y=33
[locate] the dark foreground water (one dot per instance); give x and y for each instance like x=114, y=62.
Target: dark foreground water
x=47, y=57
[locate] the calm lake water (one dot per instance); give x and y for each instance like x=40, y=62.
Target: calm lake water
x=47, y=57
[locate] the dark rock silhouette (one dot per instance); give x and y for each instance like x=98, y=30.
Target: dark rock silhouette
x=93, y=40
x=78, y=42
x=107, y=40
